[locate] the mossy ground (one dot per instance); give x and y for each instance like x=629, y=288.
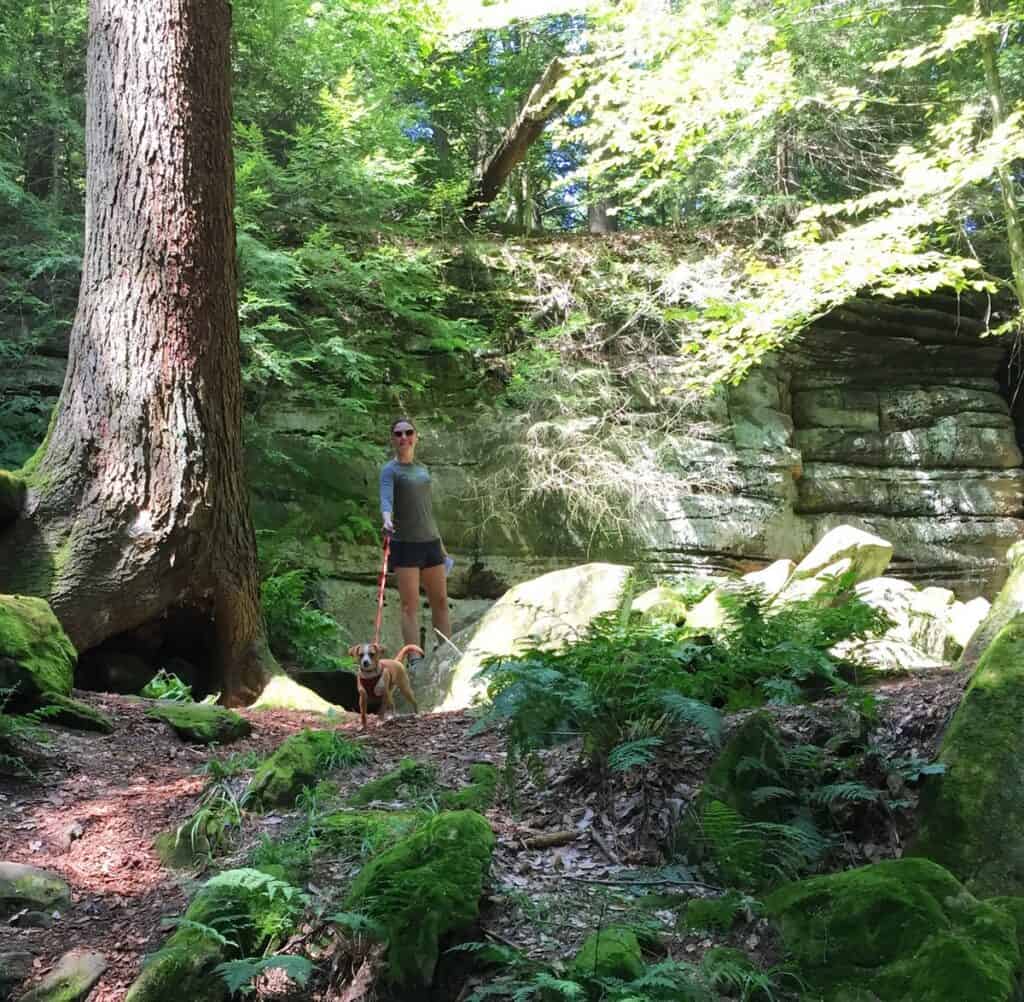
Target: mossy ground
x=425, y=886
x=298, y=762
x=235, y=914
x=905, y=930
x=36, y=656
x=971, y=814
x=76, y=714
x=611, y=952
x=200, y=724
x=412, y=782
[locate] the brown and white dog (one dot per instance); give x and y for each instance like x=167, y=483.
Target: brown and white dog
x=378, y=677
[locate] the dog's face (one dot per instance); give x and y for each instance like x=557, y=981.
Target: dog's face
x=366, y=655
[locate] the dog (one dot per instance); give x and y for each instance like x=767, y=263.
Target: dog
x=378, y=677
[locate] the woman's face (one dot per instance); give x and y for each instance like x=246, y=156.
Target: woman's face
x=403, y=438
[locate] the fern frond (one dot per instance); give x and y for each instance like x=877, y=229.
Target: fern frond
x=237, y=973
x=633, y=754
x=684, y=710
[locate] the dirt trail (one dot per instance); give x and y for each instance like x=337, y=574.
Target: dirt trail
x=100, y=800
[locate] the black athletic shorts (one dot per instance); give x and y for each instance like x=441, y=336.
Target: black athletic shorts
x=422, y=555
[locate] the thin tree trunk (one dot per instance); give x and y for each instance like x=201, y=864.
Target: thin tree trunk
x=137, y=502
x=1007, y=182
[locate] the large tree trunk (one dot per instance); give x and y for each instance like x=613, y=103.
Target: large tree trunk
x=137, y=504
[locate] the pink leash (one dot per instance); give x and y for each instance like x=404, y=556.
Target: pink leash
x=380, y=589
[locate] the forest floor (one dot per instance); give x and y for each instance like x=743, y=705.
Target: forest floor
x=98, y=801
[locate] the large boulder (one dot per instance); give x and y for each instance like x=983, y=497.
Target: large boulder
x=898, y=931
x=36, y=656
x=546, y=611
x=971, y=813
x=844, y=550
x=1009, y=603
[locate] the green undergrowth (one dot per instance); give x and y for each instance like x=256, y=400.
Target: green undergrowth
x=299, y=762
x=22, y=739
x=297, y=631
x=416, y=783
x=627, y=686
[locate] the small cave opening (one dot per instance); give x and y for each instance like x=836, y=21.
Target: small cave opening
x=181, y=642
x=336, y=685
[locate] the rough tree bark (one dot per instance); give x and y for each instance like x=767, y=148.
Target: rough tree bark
x=538, y=107
x=136, y=502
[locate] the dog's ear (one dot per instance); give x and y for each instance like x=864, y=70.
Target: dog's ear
x=353, y=651
x=377, y=649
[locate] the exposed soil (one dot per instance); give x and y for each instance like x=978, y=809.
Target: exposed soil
x=99, y=801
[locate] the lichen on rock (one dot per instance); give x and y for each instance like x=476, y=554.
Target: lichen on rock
x=905, y=930
x=425, y=886
x=200, y=724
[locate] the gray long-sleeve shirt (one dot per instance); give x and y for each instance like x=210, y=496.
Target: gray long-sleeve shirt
x=405, y=492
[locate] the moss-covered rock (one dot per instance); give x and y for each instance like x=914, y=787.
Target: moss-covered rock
x=200, y=724
x=753, y=757
x=12, y=496
x=247, y=906
x=366, y=833
x=904, y=930
x=971, y=814
x=611, y=952
x=477, y=795
x=36, y=656
x=24, y=886
x=425, y=886
x=71, y=980
x=75, y=714
x=411, y=782
x=298, y=762
x=1008, y=605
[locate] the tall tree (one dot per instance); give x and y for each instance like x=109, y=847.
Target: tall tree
x=136, y=503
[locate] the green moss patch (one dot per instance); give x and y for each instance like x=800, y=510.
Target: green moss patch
x=412, y=782
x=71, y=980
x=36, y=656
x=366, y=833
x=713, y=913
x=426, y=885
x=299, y=762
x=477, y=795
x=200, y=724
x=905, y=930
x=12, y=496
x=78, y=716
x=611, y=952
x=971, y=814
x=235, y=914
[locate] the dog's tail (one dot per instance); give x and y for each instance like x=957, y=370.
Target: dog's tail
x=400, y=656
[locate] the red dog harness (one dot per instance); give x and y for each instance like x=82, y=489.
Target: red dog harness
x=369, y=683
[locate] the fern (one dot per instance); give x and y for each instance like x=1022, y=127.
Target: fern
x=684, y=710
x=357, y=923
x=633, y=754
x=238, y=974
x=849, y=791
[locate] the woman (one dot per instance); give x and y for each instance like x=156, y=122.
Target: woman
x=417, y=553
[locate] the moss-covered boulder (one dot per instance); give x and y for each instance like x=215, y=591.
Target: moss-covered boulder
x=411, y=782
x=477, y=795
x=36, y=656
x=24, y=886
x=366, y=833
x=611, y=952
x=298, y=762
x=248, y=905
x=71, y=980
x=751, y=758
x=904, y=930
x=425, y=886
x=75, y=714
x=200, y=724
x=12, y=496
x=1008, y=605
x=971, y=814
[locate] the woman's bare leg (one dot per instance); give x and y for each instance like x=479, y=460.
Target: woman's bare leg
x=409, y=595
x=436, y=587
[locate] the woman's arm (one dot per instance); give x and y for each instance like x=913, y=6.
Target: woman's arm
x=387, y=496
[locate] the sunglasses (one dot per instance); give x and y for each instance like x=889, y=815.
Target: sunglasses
x=404, y=432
